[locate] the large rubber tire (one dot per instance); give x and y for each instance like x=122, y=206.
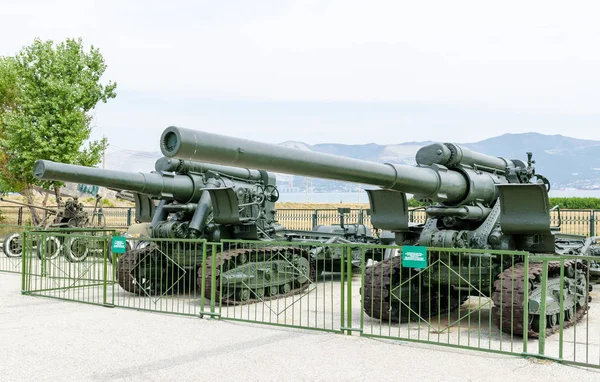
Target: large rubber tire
x=12, y=246
x=52, y=245
x=75, y=249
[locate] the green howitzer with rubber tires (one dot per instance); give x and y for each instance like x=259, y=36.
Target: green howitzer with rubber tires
x=63, y=218
x=476, y=202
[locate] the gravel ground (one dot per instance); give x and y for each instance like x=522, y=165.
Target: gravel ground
x=47, y=339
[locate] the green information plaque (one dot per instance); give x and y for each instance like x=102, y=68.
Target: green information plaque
x=414, y=256
x=119, y=244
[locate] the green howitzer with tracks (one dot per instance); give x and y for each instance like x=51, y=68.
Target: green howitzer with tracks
x=200, y=202
x=476, y=201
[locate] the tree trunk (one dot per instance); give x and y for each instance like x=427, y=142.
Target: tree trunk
x=35, y=219
x=58, y=200
x=57, y=195
x=45, y=202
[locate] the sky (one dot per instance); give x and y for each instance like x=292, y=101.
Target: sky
x=332, y=71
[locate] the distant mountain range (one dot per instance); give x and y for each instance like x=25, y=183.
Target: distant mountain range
x=567, y=162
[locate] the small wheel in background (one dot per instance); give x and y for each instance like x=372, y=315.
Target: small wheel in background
x=76, y=249
x=49, y=246
x=13, y=246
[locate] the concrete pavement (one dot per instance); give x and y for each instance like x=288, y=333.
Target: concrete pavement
x=46, y=339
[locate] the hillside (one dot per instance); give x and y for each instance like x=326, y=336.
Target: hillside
x=567, y=162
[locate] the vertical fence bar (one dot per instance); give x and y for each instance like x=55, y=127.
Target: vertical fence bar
x=542, y=322
x=561, y=303
x=349, y=276
x=362, y=285
x=525, y=302
x=342, y=293
x=24, y=253
x=213, y=280
x=105, y=272
x=587, y=317
x=203, y=282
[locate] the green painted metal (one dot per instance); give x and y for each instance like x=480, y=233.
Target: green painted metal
x=561, y=308
x=93, y=282
x=349, y=273
x=481, y=203
x=105, y=274
x=542, y=316
x=525, y=305
x=196, y=145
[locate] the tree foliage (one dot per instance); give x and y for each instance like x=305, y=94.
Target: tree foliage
x=576, y=203
x=47, y=92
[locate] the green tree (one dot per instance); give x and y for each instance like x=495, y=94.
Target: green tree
x=46, y=94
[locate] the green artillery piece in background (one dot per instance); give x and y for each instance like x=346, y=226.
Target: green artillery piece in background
x=476, y=202
x=201, y=202
x=63, y=217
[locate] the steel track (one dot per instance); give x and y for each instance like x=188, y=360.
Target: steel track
x=508, y=297
x=425, y=302
x=225, y=258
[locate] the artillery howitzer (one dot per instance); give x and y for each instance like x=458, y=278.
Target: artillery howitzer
x=476, y=202
x=196, y=201
x=71, y=215
x=210, y=202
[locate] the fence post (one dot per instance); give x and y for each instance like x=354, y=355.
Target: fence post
x=361, y=218
x=349, y=297
x=315, y=218
x=542, y=322
x=203, y=283
x=128, y=217
x=592, y=233
x=525, y=303
x=213, y=281
x=104, y=272
x=20, y=216
x=25, y=255
x=342, y=293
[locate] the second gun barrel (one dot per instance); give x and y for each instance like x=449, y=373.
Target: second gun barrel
x=189, y=144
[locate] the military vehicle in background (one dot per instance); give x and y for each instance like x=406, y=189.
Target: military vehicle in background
x=63, y=217
x=476, y=202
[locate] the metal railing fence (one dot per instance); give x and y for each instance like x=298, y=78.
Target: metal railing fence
x=579, y=222
x=110, y=216
x=461, y=298
x=572, y=335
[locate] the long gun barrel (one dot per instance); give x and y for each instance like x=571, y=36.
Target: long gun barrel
x=429, y=180
x=29, y=205
x=179, y=187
